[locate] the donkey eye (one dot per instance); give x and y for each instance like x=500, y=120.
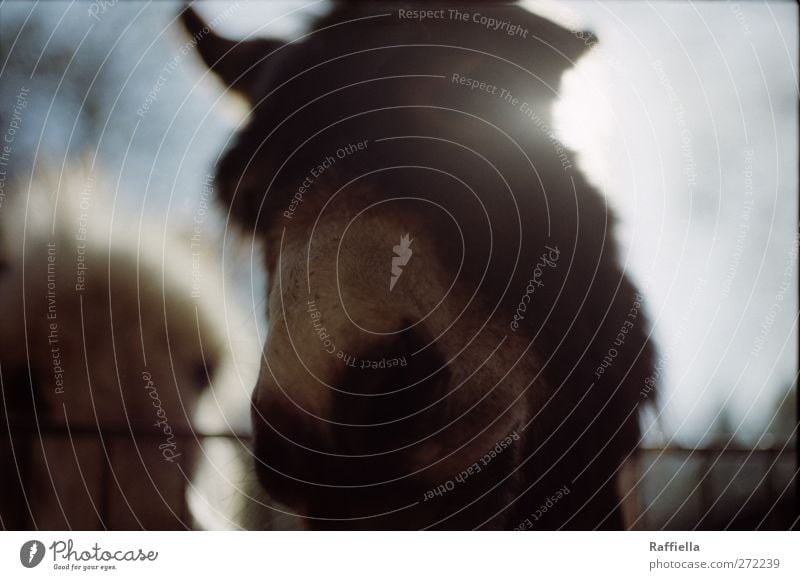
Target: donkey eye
x=201, y=374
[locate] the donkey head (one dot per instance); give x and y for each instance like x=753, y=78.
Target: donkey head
x=391, y=241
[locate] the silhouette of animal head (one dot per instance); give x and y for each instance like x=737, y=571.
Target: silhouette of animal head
x=429, y=121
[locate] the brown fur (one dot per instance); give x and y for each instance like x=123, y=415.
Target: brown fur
x=350, y=447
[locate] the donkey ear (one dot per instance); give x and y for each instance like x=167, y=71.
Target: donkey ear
x=235, y=63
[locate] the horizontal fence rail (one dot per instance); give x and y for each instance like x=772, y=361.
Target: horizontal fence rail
x=676, y=487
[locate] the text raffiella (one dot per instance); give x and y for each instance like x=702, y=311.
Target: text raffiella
x=674, y=547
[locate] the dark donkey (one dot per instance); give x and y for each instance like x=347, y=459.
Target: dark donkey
x=452, y=342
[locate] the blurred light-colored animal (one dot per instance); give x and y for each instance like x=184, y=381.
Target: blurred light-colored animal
x=103, y=354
